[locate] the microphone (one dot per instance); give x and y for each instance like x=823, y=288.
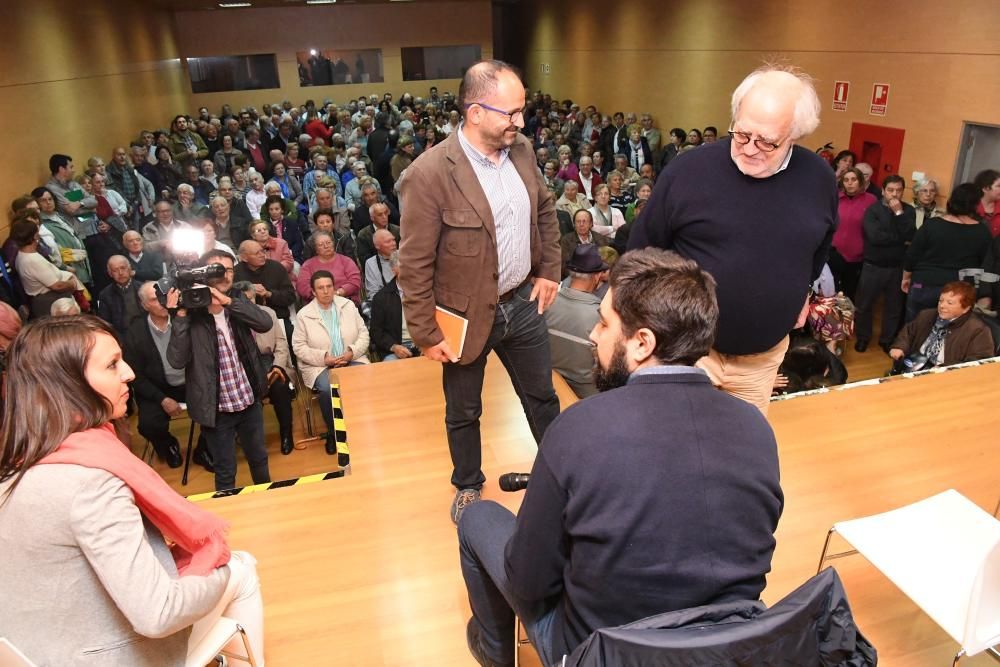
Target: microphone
x=514, y=481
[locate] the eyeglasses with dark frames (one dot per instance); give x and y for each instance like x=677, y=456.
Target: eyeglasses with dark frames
x=744, y=138
x=512, y=116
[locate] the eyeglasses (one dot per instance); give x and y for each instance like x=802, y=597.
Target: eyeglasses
x=743, y=138
x=512, y=116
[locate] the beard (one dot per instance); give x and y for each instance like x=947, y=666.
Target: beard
x=616, y=374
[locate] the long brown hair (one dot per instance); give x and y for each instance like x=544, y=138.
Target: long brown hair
x=48, y=396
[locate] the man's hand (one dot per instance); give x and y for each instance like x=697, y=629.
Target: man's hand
x=72, y=207
x=260, y=290
x=780, y=382
x=803, y=314
x=544, y=291
x=896, y=353
x=441, y=352
x=905, y=284
x=894, y=205
x=401, y=351
x=170, y=406
x=218, y=298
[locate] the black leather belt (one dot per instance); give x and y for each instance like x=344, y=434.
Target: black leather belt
x=508, y=295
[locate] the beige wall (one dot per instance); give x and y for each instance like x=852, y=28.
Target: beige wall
x=80, y=78
x=681, y=60
x=285, y=31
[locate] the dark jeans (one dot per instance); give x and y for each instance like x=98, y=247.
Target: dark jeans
x=154, y=423
x=876, y=280
x=249, y=425
x=845, y=274
x=921, y=297
x=483, y=533
x=521, y=340
x=281, y=400
x=322, y=385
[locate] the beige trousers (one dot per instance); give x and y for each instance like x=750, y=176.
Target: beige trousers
x=747, y=376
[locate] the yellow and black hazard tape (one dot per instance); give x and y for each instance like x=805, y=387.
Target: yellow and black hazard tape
x=339, y=425
x=283, y=484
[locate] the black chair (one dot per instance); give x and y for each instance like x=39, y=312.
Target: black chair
x=813, y=625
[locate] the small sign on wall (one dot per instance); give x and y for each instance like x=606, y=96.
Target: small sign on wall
x=545, y=68
x=840, y=92
x=880, y=99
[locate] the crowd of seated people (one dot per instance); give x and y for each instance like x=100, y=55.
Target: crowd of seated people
x=295, y=192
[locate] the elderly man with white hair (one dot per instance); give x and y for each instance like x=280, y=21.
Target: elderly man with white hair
x=758, y=213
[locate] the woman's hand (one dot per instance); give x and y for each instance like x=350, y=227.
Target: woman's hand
x=401, y=351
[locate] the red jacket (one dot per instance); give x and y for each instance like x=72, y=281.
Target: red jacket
x=317, y=129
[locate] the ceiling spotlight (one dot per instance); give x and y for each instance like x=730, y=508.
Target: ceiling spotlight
x=232, y=5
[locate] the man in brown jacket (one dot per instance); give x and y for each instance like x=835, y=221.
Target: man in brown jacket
x=480, y=238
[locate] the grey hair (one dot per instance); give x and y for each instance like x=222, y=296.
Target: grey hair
x=184, y=187
x=145, y=287
x=64, y=306
x=271, y=185
x=394, y=259
x=378, y=204
x=243, y=286
x=924, y=182
x=805, y=118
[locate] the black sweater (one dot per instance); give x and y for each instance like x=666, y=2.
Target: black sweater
x=274, y=277
x=657, y=496
x=940, y=248
x=764, y=240
x=886, y=234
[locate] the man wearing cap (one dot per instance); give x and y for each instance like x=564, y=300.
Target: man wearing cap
x=582, y=234
x=403, y=157
x=572, y=317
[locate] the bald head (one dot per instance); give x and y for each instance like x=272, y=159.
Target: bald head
x=780, y=91
x=384, y=242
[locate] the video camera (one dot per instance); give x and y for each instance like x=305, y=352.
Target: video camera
x=187, y=246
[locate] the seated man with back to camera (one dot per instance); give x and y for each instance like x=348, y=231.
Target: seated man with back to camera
x=624, y=518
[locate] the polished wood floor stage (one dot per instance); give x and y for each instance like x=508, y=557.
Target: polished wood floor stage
x=363, y=570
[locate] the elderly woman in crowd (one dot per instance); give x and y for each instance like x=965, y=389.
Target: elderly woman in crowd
x=77, y=506
x=295, y=165
x=290, y=187
x=274, y=248
x=42, y=281
x=925, y=192
x=847, y=253
x=238, y=177
x=71, y=248
x=607, y=218
x=949, y=334
x=567, y=168
x=329, y=333
x=941, y=248
x=642, y=192
x=325, y=220
x=343, y=269
x=620, y=198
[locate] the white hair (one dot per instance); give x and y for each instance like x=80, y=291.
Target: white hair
x=64, y=306
x=805, y=118
x=184, y=187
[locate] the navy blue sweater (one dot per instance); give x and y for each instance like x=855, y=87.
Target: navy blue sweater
x=657, y=496
x=764, y=240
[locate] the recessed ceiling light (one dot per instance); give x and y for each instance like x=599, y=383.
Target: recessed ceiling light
x=232, y=5
x=320, y=2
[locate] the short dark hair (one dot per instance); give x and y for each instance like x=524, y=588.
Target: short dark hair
x=661, y=291
x=679, y=132
x=274, y=199
x=583, y=210
x=41, y=190
x=711, y=128
x=215, y=253
x=893, y=178
x=322, y=273
x=983, y=179
x=22, y=232
x=965, y=292
x=964, y=199
x=480, y=81
x=851, y=170
x=841, y=155
x=57, y=162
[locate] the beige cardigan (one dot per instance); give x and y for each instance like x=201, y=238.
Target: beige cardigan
x=311, y=342
x=84, y=580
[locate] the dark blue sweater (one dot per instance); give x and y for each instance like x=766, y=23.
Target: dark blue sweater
x=764, y=240
x=657, y=496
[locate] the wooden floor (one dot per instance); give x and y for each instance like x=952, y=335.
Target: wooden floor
x=364, y=570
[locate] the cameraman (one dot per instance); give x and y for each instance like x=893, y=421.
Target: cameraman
x=225, y=376
x=671, y=505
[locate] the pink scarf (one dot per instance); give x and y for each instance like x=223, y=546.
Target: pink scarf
x=199, y=542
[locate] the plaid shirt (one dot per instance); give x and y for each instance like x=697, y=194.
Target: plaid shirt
x=235, y=393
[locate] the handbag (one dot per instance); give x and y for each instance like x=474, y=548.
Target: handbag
x=831, y=318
